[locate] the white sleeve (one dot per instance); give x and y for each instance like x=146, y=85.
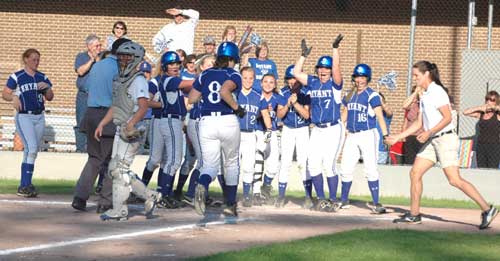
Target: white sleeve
x=139, y=88
x=441, y=98
x=161, y=38
x=194, y=16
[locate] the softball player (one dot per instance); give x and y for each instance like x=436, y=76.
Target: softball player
x=294, y=136
x=28, y=89
x=171, y=122
x=363, y=109
x=272, y=106
x=130, y=103
x=326, y=138
x=219, y=127
x=250, y=100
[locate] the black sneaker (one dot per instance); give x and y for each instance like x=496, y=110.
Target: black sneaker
x=378, y=208
x=102, y=208
x=258, y=199
x=409, y=219
x=79, y=204
x=98, y=189
x=487, y=217
x=33, y=190
x=266, y=192
x=169, y=203
x=280, y=202
x=178, y=195
x=324, y=205
x=231, y=210
x=23, y=192
x=188, y=200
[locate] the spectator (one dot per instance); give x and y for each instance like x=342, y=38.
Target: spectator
x=411, y=145
x=189, y=71
x=99, y=85
x=382, y=148
x=178, y=34
x=208, y=46
x=119, y=31
x=229, y=34
x=83, y=64
x=488, y=137
x=262, y=65
x=182, y=55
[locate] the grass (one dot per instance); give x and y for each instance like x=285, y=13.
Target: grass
x=366, y=244
x=45, y=186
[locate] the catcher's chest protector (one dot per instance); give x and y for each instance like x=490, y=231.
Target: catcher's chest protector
x=123, y=103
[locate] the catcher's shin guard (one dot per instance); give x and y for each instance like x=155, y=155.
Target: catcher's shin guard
x=121, y=192
x=259, y=170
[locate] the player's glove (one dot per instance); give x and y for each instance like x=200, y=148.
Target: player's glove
x=128, y=135
x=337, y=41
x=305, y=50
x=240, y=112
x=267, y=135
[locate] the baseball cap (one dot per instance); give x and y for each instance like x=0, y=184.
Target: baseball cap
x=209, y=40
x=145, y=67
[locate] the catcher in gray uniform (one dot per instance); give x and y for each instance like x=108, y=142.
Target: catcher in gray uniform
x=130, y=103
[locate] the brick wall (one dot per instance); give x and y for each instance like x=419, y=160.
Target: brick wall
x=376, y=33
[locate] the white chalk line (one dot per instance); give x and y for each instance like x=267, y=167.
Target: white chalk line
x=111, y=237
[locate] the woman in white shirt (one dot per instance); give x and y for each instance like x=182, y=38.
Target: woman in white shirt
x=439, y=142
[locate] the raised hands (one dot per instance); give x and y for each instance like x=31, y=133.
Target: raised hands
x=305, y=50
x=337, y=41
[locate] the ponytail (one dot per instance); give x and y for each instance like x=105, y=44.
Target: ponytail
x=425, y=66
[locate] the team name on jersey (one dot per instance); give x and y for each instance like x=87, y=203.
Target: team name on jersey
x=250, y=108
x=357, y=107
x=28, y=87
x=321, y=93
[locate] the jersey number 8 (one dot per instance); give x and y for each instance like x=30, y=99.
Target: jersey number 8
x=214, y=95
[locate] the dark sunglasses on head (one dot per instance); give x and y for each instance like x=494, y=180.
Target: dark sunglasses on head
x=121, y=28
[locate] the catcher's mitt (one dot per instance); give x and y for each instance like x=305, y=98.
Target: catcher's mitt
x=128, y=135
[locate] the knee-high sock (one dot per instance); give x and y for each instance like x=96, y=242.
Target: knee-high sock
x=29, y=173
x=205, y=181
x=193, y=180
x=346, y=187
x=246, y=189
x=160, y=180
x=282, y=189
x=267, y=180
x=318, y=186
x=231, y=194
x=181, y=181
x=24, y=174
x=333, y=183
x=146, y=176
x=374, y=189
x=308, y=187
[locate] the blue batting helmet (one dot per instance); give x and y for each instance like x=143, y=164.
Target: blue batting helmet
x=325, y=61
x=168, y=58
x=362, y=70
x=289, y=72
x=230, y=50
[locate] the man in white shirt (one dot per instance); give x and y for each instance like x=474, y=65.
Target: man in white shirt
x=178, y=34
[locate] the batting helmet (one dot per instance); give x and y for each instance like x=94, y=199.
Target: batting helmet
x=362, y=70
x=136, y=51
x=325, y=61
x=289, y=72
x=230, y=50
x=168, y=58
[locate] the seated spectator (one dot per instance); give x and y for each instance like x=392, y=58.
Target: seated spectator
x=488, y=136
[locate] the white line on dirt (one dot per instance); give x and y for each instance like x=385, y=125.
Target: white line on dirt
x=40, y=202
x=111, y=237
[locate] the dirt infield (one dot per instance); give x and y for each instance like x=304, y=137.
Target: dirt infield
x=47, y=228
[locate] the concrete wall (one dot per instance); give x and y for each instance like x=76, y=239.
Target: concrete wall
x=394, y=179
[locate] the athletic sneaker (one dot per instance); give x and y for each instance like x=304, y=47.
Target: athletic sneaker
x=33, y=190
x=378, y=209
x=258, y=200
x=409, y=219
x=324, y=205
x=169, y=202
x=343, y=205
x=487, y=217
x=199, y=199
x=266, y=191
x=188, y=200
x=308, y=203
x=231, y=210
x=247, y=202
x=280, y=202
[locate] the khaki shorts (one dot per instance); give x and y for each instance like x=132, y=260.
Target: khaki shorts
x=443, y=149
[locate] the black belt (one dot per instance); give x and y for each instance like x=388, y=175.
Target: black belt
x=37, y=112
x=248, y=131
x=100, y=108
x=173, y=116
x=325, y=125
x=442, y=133
x=215, y=113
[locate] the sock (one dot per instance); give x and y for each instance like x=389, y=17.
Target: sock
x=23, y=175
x=373, y=185
x=193, y=180
x=205, y=180
x=346, y=187
x=222, y=183
x=231, y=194
x=267, y=180
x=333, y=183
x=146, y=176
x=29, y=173
x=160, y=180
x=166, y=187
x=246, y=189
x=171, y=186
x=181, y=181
x=281, y=189
x=318, y=185
x=308, y=187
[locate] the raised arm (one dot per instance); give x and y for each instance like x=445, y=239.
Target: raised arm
x=336, y=71
x=297, y=70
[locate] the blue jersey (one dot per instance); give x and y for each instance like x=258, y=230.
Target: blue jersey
x=274, y=101
x=360, y=113
x=153, y=89
x=262, y=68
x=173, y=98
x=25, y=86
x=292, y=118
x=325, y=100
x=195, y=112
x=185, y=75
x=251, y=103
x=209, y=84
